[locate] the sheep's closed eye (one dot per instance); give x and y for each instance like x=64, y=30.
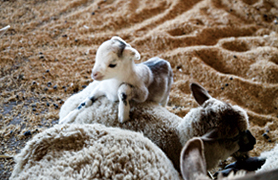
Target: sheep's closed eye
x=112, y=65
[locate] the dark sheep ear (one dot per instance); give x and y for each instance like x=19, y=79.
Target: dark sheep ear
x=199, y=93
x=192, y=159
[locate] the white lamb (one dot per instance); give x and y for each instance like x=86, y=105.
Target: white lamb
x=119, y=78
x=92, y=151
x=193, y=164
x=227, y=125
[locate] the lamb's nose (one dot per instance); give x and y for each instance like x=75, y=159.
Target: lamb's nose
x=94, y=75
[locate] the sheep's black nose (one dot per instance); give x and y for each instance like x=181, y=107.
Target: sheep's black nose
x=246, y=141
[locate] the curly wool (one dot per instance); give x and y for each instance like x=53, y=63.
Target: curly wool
x=94, y=151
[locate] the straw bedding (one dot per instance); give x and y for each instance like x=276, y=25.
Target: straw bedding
x=228, y=46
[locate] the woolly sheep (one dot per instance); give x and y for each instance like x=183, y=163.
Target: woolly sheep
x=193, y=164
x=227, y=125
x=3, y=30
x=119, y=78
x=92, y=151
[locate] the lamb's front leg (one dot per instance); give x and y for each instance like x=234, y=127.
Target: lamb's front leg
x=126, y=92
x=86, y=103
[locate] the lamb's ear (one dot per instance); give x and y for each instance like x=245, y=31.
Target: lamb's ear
x=212, y=135
x=131, y=53
x=125, y=49
x=117, y=38
x=192, y=159
x=118, y=45
x=199, y=93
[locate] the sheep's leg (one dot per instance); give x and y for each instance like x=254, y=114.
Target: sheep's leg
x=125, y=93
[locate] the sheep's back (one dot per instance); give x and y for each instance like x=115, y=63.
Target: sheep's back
x=74, y=151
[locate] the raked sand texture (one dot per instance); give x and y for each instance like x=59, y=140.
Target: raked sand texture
x=228, y=46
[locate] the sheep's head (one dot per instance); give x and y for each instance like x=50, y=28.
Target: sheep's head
x=112, y=57
x=224, y=127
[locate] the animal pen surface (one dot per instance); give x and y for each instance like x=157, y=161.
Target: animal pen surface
x=230, y=47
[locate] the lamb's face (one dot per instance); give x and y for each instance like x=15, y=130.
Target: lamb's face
x=107, y=63
x=111, y=59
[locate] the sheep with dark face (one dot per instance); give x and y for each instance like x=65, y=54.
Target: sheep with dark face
x=225, y=126
x=118, y=78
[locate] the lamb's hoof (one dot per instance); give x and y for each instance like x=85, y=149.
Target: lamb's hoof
x=123, y=117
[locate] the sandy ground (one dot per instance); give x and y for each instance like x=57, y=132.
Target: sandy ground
x=228, y=46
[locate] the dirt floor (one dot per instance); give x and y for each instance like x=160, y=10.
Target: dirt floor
x=228, y=46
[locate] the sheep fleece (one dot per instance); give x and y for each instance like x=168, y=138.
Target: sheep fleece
x=94, y=151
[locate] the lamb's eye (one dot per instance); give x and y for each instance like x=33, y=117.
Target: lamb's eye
x=112, y=65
